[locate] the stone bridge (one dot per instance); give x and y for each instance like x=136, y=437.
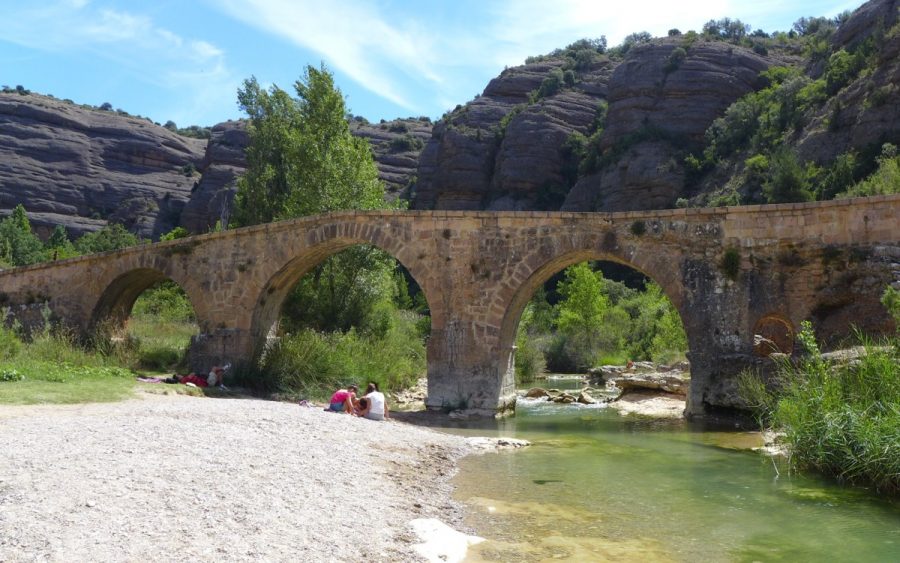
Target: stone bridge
x=731, y=272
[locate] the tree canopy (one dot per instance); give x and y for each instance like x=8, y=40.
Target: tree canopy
x=302, y=158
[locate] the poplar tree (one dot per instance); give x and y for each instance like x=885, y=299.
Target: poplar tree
x=303, y=160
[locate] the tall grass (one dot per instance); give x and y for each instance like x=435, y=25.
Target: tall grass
x=54, y=368
x=311, y=364
x=842, y=420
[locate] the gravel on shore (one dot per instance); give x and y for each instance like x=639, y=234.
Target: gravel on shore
x=175, y=478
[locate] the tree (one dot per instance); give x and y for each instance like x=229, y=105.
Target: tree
x=58, y=245
x=581, y=312
x=303, y=160
x=787, y=182
x=111, y=237
x=19, y=246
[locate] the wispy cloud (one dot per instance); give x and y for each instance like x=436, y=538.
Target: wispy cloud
x=352, y=36
x=149, y=53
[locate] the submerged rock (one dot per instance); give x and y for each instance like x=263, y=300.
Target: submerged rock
x=484, y=443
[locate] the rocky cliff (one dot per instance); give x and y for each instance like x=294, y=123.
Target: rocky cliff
x=516, y=147
x=583, y=128
x=84, y=168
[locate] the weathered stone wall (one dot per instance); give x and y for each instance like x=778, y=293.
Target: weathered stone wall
x=827, y=262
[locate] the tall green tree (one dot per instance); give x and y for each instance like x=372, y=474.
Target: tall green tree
x=302, y=160
x=586, y=321
x=19, y=246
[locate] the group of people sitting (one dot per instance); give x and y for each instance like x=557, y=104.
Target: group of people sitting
x=372, y=405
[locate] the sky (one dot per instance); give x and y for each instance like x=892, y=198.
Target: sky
x=184, y=60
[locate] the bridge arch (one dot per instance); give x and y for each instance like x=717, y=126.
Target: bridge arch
x=118, y=298
x=326, y=241
x=536, y=272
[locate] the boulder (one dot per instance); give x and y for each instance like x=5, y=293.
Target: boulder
x=537, y=393
x=676, y=384
x=585, y=398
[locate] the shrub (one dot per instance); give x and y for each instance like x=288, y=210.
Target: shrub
x=9, y=344
x=406, y=143
x=885, y=180
x=9, y=375
x=840, y=420
x=787, y=179
x=676, y=57
x=731, y=263
x=311, y=364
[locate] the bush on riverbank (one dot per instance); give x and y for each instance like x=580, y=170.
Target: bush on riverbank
x=841, y=420
x=312, y=364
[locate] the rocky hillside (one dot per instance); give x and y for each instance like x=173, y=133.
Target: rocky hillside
x=708, y=118
x=586, y=128
x=84, y=168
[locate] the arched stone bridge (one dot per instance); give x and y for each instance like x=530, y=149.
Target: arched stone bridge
x=731, y=273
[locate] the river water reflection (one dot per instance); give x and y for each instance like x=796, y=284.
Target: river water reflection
x=597, y=486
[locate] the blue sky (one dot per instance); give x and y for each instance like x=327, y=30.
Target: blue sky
x=185, y=59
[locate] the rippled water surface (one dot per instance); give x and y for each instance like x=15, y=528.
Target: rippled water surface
x=596, y=486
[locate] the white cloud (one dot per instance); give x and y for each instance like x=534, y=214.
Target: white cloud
x=353, y=37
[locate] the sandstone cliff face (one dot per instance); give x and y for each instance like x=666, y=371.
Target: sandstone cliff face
x=655, y=107
x=83, y=168
x=658, y=107
x=473, y=162
x=222, y=164
x=396, y=146
x=867, y=111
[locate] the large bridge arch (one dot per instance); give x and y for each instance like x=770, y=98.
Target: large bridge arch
x=515, y=298
x=326, y=241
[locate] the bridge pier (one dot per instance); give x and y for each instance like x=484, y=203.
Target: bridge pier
x=468, y=373
x=219, y=347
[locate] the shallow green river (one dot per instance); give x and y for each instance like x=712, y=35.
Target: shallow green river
x=596, y=486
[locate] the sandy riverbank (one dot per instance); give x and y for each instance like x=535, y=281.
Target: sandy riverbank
x=174, y=478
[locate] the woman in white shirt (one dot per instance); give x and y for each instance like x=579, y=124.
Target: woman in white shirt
x=377, y=408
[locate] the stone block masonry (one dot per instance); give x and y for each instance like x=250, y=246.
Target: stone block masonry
x=731, y=272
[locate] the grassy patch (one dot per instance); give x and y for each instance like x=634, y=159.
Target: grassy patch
x=80, y=390
x=841, y=420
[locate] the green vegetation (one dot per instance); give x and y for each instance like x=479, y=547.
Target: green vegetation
x=760, y=128
x=838, y=419
x=52, y=368
x=594, y=321
x=342, y=319
x=885, y=180
x=311, y=364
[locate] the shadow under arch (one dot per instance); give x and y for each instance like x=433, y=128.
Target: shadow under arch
x=274, y=293
x=522, y=294
x=117, y=300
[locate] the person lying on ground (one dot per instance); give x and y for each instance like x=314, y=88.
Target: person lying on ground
x=343, y=400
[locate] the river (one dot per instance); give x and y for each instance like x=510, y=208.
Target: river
x=597, y=486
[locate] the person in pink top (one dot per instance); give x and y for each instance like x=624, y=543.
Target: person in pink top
x=343, y=400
